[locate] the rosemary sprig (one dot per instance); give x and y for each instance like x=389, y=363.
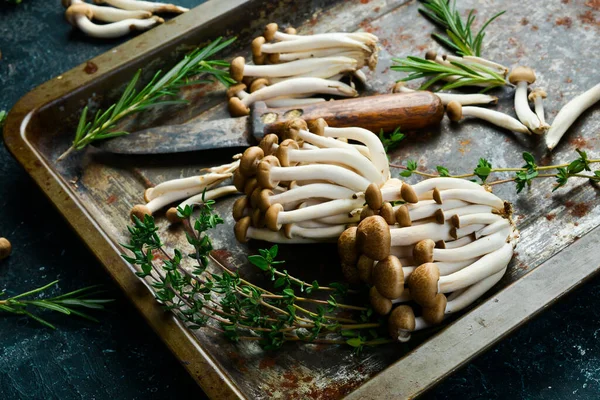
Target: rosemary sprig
x=523, y=177
x=163, y=89
x=459, y=33
x=457, y=74
x=227, y=303
x=68, y=303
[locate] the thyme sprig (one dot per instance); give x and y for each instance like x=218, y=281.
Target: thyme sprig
x=221, y=300
x=460, y=37
x=163, y=89
x=457, y=74
x=392, y=140
x=68, y=303
x=523, y=176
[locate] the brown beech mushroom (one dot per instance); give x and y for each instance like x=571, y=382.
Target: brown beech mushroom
x=151, y=6
x=401, y=323
x=373, y=238
x=347, y=246
x=522, y=77
x=456, y=112
x=388, y=277
x=380, y=304
x=5, y=248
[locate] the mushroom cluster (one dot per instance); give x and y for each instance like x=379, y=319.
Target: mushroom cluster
x=290, y=68
x=456, y=241
x=123, y=17
x=313, y=183
x=192, y=190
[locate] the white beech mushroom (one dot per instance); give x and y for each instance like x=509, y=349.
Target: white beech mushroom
x=492, y=228
x=276, y=216
x=199, y=182
x=199, y=199
x=244, y=232
x=321, y=190
x=522, y=77
x=80, y=15
x=407, y=213
x=308, y=86
x=470, y=196
x=110, y=14
x=569, y=113
x=330, y=232
x=5, y=248
x=151, y=6
x=536, y=97
x=307, y=43
x=463, y=99
x=456, y=112
x=402, y=322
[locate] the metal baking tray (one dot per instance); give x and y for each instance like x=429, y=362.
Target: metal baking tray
x=95, y=191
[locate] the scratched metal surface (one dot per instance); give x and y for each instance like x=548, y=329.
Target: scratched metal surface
x=546, y=38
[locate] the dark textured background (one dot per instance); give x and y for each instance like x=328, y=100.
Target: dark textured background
x=555, y=356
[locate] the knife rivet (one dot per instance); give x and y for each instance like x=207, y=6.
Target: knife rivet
x=293, y=114
x=268, y=118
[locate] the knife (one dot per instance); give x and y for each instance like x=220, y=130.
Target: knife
x=408, y=111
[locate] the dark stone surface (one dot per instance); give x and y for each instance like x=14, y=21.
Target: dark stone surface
x=553, y=357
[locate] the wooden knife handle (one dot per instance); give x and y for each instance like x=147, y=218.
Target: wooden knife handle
x=409, y=111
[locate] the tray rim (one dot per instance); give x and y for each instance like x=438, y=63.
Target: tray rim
x=204, y=369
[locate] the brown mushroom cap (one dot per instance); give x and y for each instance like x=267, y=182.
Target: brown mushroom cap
x=408, y=194
x=273, y=58
x=172, y=216
x=423, y=283
x=263, y=173
x=373, y=197
x=403, y=216
x=250, y=185
x=264, y=200
x=256, y=46
x=287, y=230
x=5, y=248
x=147, y=194
x=270, y=31
x=241, y=229
x=454, y=110
x=455, y=221
x=292, y=128
x=430, y=55
x=347, y=246
x=139, y=211
x=75, y=10
x=434, y=312
x=367, y=212
x=271, y=217
x=439, y=216
x=282, y=152
x=268, y=143
x=387, y=212
x=258, y=84
x=437, y=196
x=236, y=68
x=537, y=92
x=317, y=126
x=239, y=208
x=373, y=237
x=380, y=304
x=239, y=180
x=388, y=277
x=290, y=30
x=250, y=160
x=235, y=89
x=440, y=244
x=350, y=274
x=255, y=197
x=398, y=87
x=401, y=323
x=423, y=251
x=237, y=108
x=365, y=269
x=520, y=74
x=258, y=219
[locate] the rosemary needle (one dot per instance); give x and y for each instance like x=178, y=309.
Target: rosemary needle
x=163, y=89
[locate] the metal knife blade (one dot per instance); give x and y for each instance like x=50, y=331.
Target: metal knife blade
x=191, y=136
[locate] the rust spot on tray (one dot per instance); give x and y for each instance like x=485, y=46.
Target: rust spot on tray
x=565, y=1
x=291, y=380
x=238, y=361
x=111, y=199
x=90, y=68
x=267, y=362
x=595, y=4
x=463, y=146
x=524, y=21
x=579, y=210
x=333, y=392
x=580, y=143
x=550, y=216
x=588, y=17
x=364, y=1
x=534, y=28
x=564, y=21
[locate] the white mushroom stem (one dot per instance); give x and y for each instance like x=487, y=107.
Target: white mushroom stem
x=477, y=248
x=193, y=182
x=311, y=224
x=459, y=242
x=444, y=184
x=209, y=195
x=473, y=292
x=461, y=221
x=276, y=237
x=463, y=99
x=115, y=29
x=427, y=208
x=327, y=142
x=497, y=118
x=297, y=67
x=143, y=5
x=292, y=102
x=333, y=173
x=488, y=265
x=332, y=72
x=467, y=210
x=358, y=74
x=450, y=267
x=467, y=230
x=401, y=251
x=470, y=196
x=413, y=234
x=223, y=169
x=524, y=113
x=492, y=228
x=167, y=198
x=569, y=113
x=346, y=218
x=404, y=297
x=295, y=86
x=364, y=37
x=333, y=207
x=291, y=231
x=308, y=43
x=339, y=156
x=358, y=55
x=537, y=97
x=109, y=14
x=376, y=150
x=321, y=190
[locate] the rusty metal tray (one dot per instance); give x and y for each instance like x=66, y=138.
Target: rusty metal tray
x=94, y=191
